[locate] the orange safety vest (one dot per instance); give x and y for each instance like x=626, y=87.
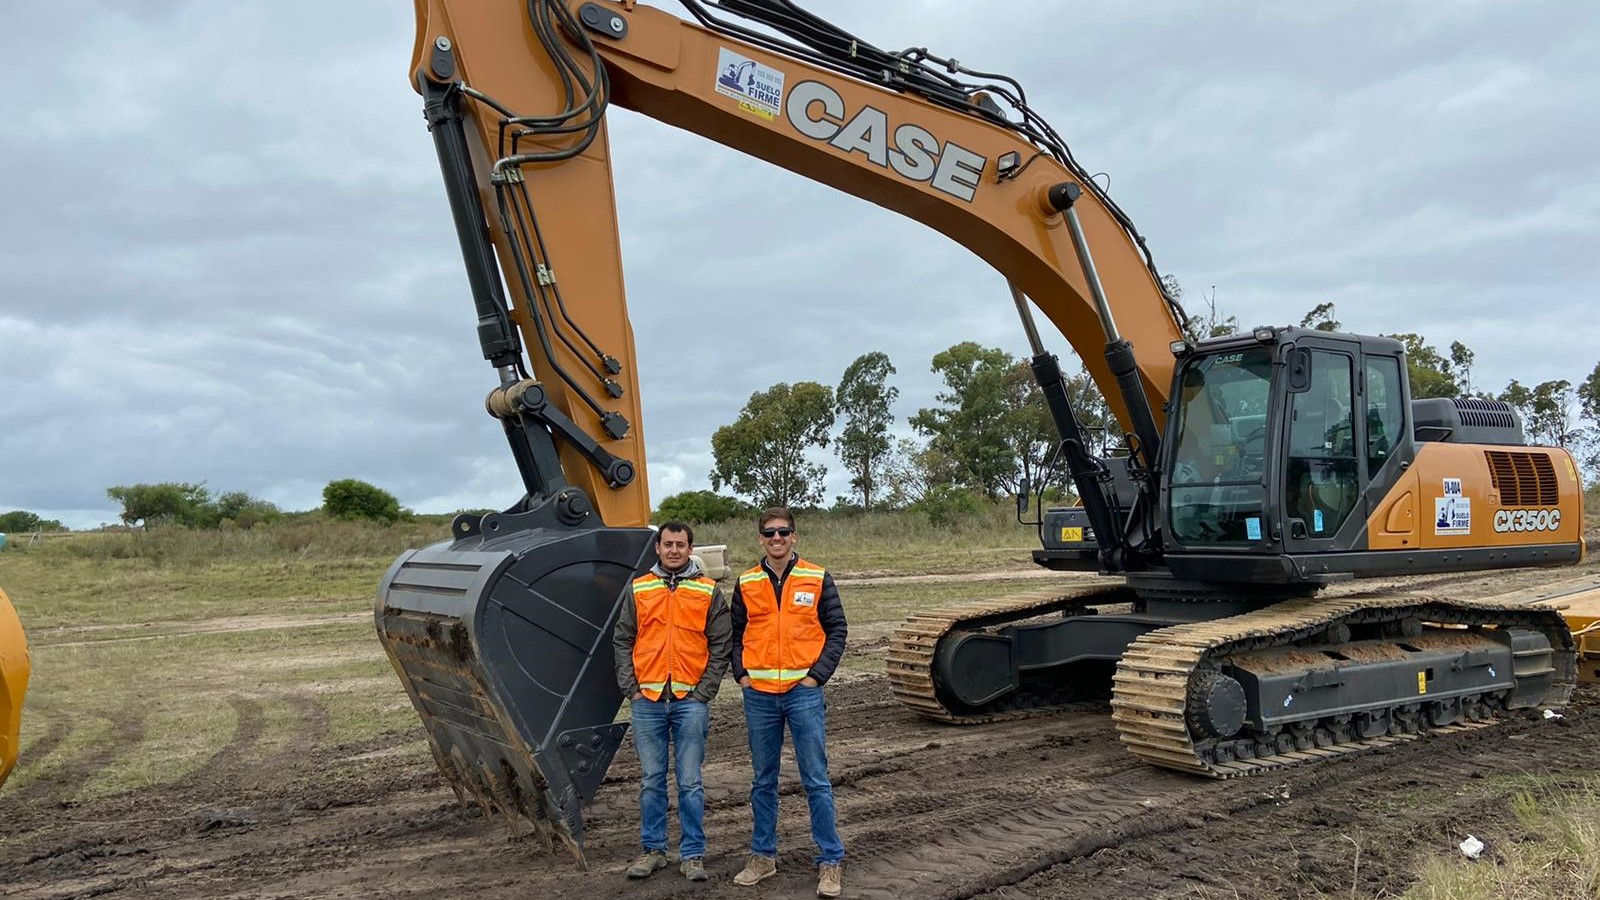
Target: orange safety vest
x=670, y=645
x=781, y=639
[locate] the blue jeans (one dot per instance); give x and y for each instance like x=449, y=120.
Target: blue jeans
x=684, y=722
x=805, y=711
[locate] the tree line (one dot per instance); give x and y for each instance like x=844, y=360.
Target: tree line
x=186, y=505
x=988, y=433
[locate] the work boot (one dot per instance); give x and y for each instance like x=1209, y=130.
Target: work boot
x=757, y=868
x=647, y=863
x=693, y=869
x=828, y=876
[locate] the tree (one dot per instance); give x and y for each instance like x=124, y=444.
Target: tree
x=1210, y=323
x=20, y=521
x=911, y=471
x=1028, y=427
x=1589, y=402
x=168, y=503
x=864, y=397
x=970, y=429
x=1547, y=412
x=762, y=455
x=244, y=510
x=352, y=499
x=1462, y=358
x=1430, y=372
x=698, y=507
x=1320, y=318
x=1589, y=395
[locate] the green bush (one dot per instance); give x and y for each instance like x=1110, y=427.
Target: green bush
x=700, y=507
x=949, y=505
x=352, y=499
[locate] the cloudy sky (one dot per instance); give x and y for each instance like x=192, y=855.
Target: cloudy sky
x=227, y=257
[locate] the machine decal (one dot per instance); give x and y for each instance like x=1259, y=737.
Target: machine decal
x=1527, y=520
x=913, y=152
x=758, y=88
x=1252, y=526
x=1074, y=534
x=1422, y=682
x=1452, y=513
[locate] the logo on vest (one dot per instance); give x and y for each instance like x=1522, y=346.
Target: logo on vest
x=805, y=598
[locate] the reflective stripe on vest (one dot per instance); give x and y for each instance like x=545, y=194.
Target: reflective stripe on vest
x=670, y=644
x=782, y=640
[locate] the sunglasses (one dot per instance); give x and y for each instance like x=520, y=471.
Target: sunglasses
x=776, y=532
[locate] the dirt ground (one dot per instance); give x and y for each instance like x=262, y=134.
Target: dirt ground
x=1043, y=807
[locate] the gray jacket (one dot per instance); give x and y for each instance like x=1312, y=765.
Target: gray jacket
x=719, y=637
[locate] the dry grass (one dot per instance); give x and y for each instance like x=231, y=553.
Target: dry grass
x=874, y=543
x=1555, y=857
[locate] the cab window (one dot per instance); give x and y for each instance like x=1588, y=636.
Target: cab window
x=1323, y=481
x=1386, y=420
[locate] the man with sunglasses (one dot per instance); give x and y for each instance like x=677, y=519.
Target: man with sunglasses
x=788, y=635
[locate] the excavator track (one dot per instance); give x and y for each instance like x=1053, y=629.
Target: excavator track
x=1154, y=686
x=910, y=662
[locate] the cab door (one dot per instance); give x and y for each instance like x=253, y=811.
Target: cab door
x=1323, y=468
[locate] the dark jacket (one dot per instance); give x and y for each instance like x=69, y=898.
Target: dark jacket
x=830, y=615
x=719, y=635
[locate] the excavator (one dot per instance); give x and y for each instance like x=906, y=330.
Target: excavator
x=1259, y=468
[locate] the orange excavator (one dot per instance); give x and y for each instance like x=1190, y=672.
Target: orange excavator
x=1259, y=469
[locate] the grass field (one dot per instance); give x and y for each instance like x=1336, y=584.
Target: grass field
x=168, y=645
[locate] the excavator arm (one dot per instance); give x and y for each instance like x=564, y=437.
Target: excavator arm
x=532, y=82
x=501, y=635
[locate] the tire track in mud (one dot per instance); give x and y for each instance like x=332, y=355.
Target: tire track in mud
x=127, y=735
x=256, y=775
x=55, y=734
x=1395, y=804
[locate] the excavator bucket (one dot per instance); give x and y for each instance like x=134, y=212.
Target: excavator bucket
x=14, y=669
x=502, y=638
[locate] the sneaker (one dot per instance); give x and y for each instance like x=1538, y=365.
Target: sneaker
x=647, y=863
x=828, y=877
x=757, y=868
x=693, y=868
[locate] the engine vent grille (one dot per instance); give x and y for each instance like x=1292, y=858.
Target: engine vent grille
x=1488, y=413
x=1523, y=479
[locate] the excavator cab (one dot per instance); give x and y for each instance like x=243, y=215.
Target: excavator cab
x=1297, y=457
x=1280, y=440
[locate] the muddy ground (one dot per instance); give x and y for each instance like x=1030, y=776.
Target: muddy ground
x=1044, y=807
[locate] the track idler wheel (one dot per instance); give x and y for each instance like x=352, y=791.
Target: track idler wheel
x=1217, y=705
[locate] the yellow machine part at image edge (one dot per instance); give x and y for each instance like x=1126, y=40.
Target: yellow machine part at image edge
x=14, y=669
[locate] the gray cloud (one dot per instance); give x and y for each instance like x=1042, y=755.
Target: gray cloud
x=227, y=257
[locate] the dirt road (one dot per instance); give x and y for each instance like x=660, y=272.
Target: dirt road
x=1043, y=807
